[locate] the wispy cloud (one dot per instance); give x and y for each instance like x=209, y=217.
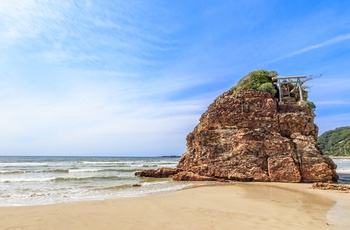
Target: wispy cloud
x=28, y=18
x=331, y=41
x=105, y=35
x=91, y=113
x=334, y=102
x=134, y=76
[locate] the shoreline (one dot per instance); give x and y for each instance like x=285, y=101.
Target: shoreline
x=339, y=157
x=255, y=205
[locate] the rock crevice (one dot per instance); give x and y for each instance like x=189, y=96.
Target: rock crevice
x=249, y=136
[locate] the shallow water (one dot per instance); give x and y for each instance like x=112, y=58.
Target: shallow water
x=47, y=180
x=336, y=213
x=338, y=216
x=343, y=170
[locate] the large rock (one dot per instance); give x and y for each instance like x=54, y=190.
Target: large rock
x=247, y=135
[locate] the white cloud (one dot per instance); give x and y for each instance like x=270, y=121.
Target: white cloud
x=333, y=102
x=104, y=35
x=27, y=18
x=91, y=116
x=320, y=45
x=328, y=42
x=124, y=75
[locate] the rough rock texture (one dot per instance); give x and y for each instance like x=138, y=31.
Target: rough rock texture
x=159, y=173
x=328, y=186
x=249, y=136
x=190, y=176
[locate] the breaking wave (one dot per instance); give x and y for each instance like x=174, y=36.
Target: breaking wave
x=59, y=179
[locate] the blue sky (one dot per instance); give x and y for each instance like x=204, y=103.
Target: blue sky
x=94, y=77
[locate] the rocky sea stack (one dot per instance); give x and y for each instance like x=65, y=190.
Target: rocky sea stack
x=255, y=131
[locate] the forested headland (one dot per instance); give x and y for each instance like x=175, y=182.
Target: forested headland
x=335, y=142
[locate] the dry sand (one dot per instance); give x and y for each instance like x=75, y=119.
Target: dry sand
x=229, y=206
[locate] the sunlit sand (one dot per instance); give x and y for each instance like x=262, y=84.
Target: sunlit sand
x=223, y=206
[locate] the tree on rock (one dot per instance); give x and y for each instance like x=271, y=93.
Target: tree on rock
x=260, y=80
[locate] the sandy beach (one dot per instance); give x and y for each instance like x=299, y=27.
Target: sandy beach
x=225, y=206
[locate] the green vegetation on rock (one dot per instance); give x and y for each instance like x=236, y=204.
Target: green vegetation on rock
x=260, y=80
x=335, y=142
x=311, y=105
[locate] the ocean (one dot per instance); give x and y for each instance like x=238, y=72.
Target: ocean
x=343, y=170
x=26, y=181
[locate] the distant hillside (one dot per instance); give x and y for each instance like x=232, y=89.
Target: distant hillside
x=335, y=142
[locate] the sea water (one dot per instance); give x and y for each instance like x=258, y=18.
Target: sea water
x=46, y=180
x=343, y=169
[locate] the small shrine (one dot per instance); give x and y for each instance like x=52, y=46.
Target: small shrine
x=290, y=90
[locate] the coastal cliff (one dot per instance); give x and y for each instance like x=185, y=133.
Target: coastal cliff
x=247, y=134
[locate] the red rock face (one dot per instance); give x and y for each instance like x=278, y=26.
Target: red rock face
x=159, y=173
x=250, y=137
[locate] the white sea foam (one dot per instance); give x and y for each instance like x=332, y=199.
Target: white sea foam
x=164, y=189
x=154, y=183
x=47, y=180
x=347, y=160
x=34, y=179
x=109, y=162
x=84, y=170
x=22, y=164
x=343, y=170
x=11, y=171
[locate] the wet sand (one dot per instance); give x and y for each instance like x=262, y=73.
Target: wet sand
x=224, y=206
